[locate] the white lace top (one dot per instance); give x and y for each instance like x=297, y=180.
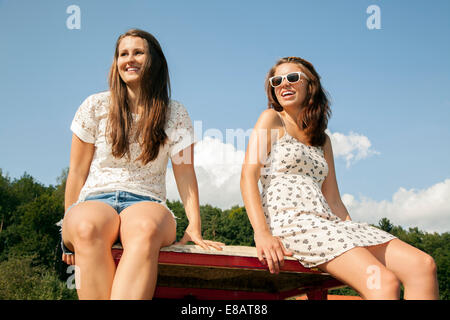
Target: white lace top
x=107, y=173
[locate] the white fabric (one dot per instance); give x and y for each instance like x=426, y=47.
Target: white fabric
x=297, y=212
x=107, y=173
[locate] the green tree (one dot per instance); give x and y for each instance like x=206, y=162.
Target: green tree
x=385, y=224
x=236, y=228
x=210, y=221
x=7, y=201
x=35, y=231
x=182, y=221
x=22, y=279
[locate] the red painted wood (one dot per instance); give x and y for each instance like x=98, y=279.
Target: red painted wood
x=317, y=295
x=194, y=259
x=225, y=261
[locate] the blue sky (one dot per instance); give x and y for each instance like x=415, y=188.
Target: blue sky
x=390, y=85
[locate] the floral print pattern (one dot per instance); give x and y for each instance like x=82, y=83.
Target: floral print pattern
x=297, y=212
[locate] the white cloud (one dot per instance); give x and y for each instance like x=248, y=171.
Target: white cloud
x=352, y=147
x=427, y=209
x=218, y=170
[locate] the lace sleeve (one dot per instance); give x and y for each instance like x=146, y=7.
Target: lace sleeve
x=84, y=124
x=182, y=134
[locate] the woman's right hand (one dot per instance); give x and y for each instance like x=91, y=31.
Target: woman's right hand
x=271, y=251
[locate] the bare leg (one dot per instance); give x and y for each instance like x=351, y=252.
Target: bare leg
x=145, y=228
x=365, y=273
x=415, y=269
x=90, y=229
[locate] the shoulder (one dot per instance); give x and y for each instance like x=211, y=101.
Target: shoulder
x=102, y=96
x=97, y=103
x=327, y=148
x=269, y=119
x=101, y=99
x=176, y=112
x=327, y=138
x=175, y=109
x=175, y=106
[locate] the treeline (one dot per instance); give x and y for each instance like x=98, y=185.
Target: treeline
x=30, y=255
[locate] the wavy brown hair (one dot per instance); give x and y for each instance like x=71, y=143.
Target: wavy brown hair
x=315, y=112
x=154, y=98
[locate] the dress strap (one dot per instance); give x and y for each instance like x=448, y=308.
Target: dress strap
x=281, y=118
x=284, y=126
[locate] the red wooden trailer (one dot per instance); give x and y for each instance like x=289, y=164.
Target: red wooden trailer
x=188, y=271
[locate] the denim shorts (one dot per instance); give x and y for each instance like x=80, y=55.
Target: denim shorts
x=119, y=200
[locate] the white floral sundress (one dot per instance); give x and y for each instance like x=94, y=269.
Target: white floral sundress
x=297, y=212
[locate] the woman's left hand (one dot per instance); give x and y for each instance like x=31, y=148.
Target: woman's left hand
x=196, y=237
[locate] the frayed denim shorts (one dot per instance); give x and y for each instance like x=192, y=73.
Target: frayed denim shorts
x=119, y=200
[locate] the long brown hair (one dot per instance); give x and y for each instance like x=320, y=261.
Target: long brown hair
x=154, y=97
x=315, y=112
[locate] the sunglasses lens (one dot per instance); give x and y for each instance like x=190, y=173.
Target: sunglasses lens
x=276, y=81
x=293, y=77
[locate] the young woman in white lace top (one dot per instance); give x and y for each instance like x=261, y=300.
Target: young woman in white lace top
x=122, y=140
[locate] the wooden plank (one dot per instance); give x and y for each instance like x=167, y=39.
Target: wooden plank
x=230, y=256
x=234, y=273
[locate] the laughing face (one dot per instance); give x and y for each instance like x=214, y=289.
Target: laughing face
x=290, y=95
x=133, y=53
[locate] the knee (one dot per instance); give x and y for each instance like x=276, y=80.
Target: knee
x=146, y=233
x=386, y=286
x=86, y=232
x=390, y=284
x=425, y=264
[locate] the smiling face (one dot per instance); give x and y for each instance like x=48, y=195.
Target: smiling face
x=290, y=95
x=132, y=55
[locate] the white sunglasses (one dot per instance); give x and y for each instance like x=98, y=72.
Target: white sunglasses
x=292, y=77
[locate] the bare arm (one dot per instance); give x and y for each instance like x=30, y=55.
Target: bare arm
x=257, y=150
x=267, y=246
x=81, y=155
x=330, y=188
x=188, y=189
